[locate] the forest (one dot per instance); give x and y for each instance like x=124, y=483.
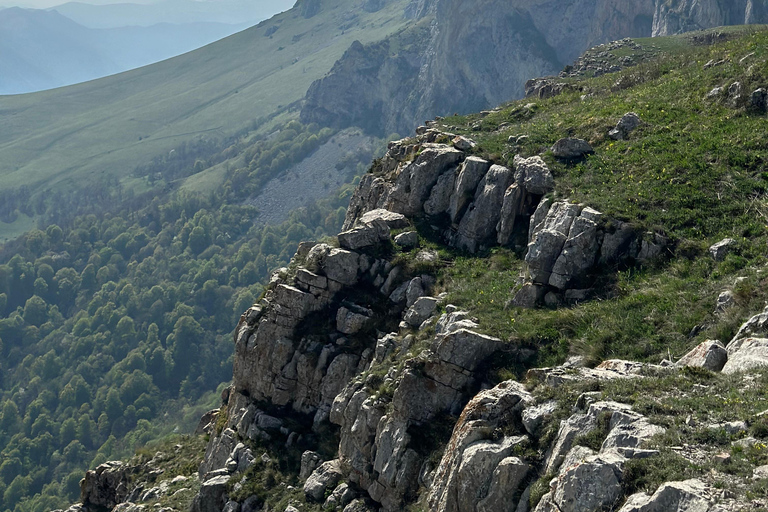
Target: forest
x=116, y=321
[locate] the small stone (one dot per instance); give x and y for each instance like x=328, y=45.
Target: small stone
x=627, y=124
x=571, y=148
x=407, y=240
x=758, y=101
x=714, y=93
x=722, y=248
x=724, y=301
x=722, y=458
x=463, y=143
x=710, y=354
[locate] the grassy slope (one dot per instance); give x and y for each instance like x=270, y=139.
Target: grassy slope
x=112, y=124
x=695, y=171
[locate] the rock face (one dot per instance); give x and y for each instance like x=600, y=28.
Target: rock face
x=688, y=15
x=476, y=471
x=105, y=486
x=445, y=68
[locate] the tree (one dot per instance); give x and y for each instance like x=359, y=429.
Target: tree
x=113, y=405
x=68, y=432
x=35, y=311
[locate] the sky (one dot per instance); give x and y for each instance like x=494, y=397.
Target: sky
x=44, y=4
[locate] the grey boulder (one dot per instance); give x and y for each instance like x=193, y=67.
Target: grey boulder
x=571, y=148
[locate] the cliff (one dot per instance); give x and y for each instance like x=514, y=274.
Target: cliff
x=443, y=64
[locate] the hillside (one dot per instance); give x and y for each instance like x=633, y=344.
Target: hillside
x=64, y=137
x=418, y=58
x=554, y=305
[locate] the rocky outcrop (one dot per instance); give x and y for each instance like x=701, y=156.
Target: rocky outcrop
x=688, y=495
x=567, y=241
x=105, y=486
x=476, y=472
x=376, y=433
x=484, y=204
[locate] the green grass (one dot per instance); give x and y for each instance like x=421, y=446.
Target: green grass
x=11, y=230
x=696, y=171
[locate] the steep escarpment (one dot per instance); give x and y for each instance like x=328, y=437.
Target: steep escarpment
x=687, y=15
x=444, y=65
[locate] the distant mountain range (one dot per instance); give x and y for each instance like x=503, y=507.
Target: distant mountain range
x=232, y=12
x=44, y=49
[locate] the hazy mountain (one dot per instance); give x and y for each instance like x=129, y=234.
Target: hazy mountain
x=44, y=49
x=172, y=11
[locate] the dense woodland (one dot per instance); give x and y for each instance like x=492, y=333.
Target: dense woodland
x=115, y=324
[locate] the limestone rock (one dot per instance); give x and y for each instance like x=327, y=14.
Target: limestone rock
x=391, y=219
x=629, y=432
x=453, y=321
x=746, y=354
x=755, y=326
x=477, y=471
x=533, y=417
x=579, y=252
x=471, y=172
x=440, y=198
x=342, y=266
x=508, y=476
x=686, y=496
x=478, y=225
x=217, y=452
x=571, y=148
x=626, y=125
x=326, y=476
x=421, y=310
x=463, y=143
x=534, y=174
x=510, y=208
x=105, y=486
x=341, y=496
x=352, y=319
x=550, y=226
x=710, y=354
x=212, y=495
x=414, y=291
x=407, y=240
x=464, y=348
x=415, y=182
x=364, y=236
x=309, y=462
x=721, y=249
x=594, y=484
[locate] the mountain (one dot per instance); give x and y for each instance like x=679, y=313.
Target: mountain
x=408, y=78
x=557, y=304
x=405, y=61
x=108, y=127
x=43, y=49
x=231, y=12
